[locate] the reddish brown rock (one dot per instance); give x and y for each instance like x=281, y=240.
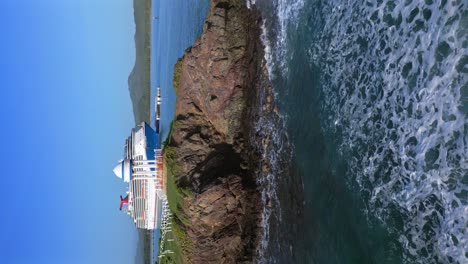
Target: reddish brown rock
x=217, y=162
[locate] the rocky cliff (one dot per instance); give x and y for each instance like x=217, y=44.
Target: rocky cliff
x=212, y=157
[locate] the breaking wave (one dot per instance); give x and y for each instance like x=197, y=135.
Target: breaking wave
x=280, y=19
x=276, y=155
x=394, y=84
x=275, y=150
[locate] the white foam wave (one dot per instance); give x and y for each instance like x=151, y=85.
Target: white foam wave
x=396, y=70
x=249, y=3
x=284, y=18
x=394, y=96
x=273, y=154
x=287, y=12
x=268, y=55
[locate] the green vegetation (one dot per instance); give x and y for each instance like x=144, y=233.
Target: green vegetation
x=172, y=168
x=182, y=245
x=139, y=81
x=175, y=194
x=169, y=136
x=177, y=73
x=174, y=246
x=175, y=198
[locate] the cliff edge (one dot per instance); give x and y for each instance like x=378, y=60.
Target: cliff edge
x=211, y=158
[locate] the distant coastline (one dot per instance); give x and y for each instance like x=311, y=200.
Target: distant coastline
x=139, y=80
x=139, y=86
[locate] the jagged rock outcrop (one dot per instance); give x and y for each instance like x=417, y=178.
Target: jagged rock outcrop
x=210, y=142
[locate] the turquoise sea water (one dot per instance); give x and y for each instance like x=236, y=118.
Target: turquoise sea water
x=374, y=96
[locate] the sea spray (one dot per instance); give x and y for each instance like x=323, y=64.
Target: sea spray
x=392, y=99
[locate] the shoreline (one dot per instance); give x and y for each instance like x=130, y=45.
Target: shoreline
x=215, y=148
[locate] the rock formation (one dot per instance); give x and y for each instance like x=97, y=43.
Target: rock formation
x=210, y=142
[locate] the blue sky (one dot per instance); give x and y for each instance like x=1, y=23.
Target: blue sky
x=65, y=112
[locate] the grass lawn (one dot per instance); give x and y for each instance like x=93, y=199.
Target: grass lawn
x=181, y=245
x=174, y=246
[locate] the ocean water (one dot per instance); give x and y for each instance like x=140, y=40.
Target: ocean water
x=374, y=96
x=178, y=24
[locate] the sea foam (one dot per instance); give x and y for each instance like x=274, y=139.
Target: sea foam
x=395, y=73
x=394, y=80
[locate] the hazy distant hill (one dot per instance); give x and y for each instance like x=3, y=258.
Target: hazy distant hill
x=139, y=79
x=143, y=252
